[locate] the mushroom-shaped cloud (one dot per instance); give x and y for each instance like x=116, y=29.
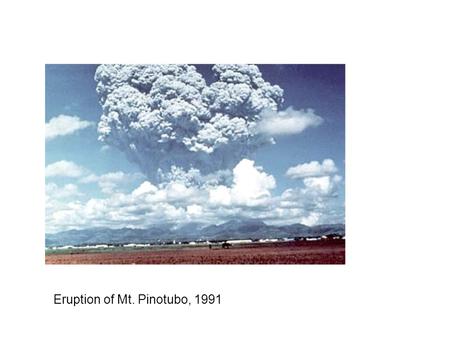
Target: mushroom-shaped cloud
x=166, y=118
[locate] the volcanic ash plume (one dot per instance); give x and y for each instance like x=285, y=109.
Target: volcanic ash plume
x=166, y=118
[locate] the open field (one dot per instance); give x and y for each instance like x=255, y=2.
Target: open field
x=298, y=252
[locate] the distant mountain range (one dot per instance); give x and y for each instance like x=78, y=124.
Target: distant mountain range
x=233, y=229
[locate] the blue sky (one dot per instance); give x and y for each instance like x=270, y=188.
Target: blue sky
x=77, y=199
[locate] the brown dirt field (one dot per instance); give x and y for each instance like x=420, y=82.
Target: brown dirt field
x=320, y=252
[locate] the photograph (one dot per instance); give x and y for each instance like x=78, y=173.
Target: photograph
x=195, y=164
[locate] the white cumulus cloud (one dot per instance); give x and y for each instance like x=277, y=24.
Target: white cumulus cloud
x=145, y=188
x=194, y=210
x=64, y=125
x=312, y=169
x=249, y=194
x=110, y=182
x=287, y=122
x=64, y=169
x=311, y=219
x=324, y=185
x=52, y=190
x=251, y=186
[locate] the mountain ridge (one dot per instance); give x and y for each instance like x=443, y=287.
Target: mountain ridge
x=233, y=229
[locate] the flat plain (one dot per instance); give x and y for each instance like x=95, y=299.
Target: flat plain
x=295, y=252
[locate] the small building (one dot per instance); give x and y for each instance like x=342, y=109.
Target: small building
x=239, y=241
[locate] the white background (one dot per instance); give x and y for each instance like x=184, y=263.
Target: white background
x=395, y=282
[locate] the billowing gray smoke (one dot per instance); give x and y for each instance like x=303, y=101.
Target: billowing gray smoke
x=166, y=118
